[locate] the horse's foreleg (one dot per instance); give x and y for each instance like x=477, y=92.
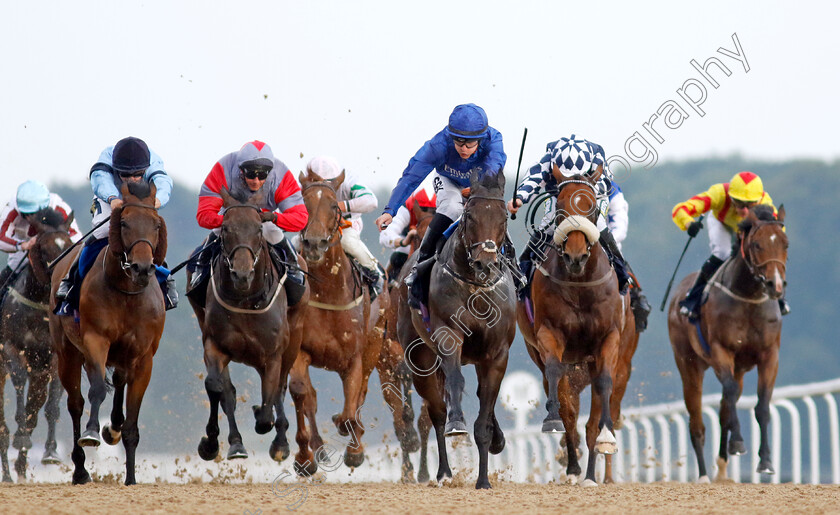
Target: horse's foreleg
x=279, y=448
x=97, y=347
x=424, y=425
x=51, y=413
x=4, y=429
x=112, y=432
x=228, y=401
x=36, y=396
x=264, y=413
x=70, y=372
x=569, y=409
x=723, y=363
x=429, y=388
x=349, y=422
x=392, y=392
x=767, y=371
x=490, y=375
x=592, y=424
x=691, y=372
x=551, y=354
x=298, y=380
x=139, y=381
x=215, y=362
x=453, y=387
x=21, y=440
x=602, y=385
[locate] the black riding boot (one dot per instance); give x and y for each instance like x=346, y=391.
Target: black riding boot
x=418, y=279
x=533, y=252
x=200, y=269
x=608, y=242
x=640, y=306
x=690, y=305
x=509, y=257
x=284, y=255
x=169, y=290
x=395, y=264
x=375, y=280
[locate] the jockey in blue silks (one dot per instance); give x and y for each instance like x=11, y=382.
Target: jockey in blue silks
x=465, y=145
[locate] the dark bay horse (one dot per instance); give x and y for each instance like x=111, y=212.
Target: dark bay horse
x=246, y=319
x=741, y=328
x=343, y=331
x=579, y=322
x=470, y=321
x=28, y=354
x=121, y=315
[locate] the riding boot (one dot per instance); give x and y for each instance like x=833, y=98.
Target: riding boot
x=200, y=269
x=395, y=264
x=640, y=306
x=67, y=281
x=608, y=242
x=5, y=282
x=784, y=306
x=66, y=296
x=417, y=279
x=167, y=287
x=690, y=305
x=284, y=256
x=509, y=258
x=375, y=281
x=533, y=252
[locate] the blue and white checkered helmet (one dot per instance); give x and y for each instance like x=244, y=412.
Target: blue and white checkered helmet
x=576, y=156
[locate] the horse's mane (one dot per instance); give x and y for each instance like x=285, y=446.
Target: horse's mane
x=140, y=189
x=50, y=217
x=763, y=212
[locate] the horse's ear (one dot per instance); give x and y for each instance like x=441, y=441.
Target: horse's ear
x=152, y=192
x=257, y=198
x=415, y=209
x=160, y=249
x=555, y=171
x=114, y=232
x=69, y=221
x=313, y=177
x=336, y=183
x=594, y=176
x=780, y=214
x=303, y=178
x=124, y=190
x=227, y=199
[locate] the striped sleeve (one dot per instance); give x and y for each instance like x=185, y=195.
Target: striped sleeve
x=8, y=216
x=712, y=200
x=291, y=211
x=361, y=200
x=535, y=181
x=209, y=200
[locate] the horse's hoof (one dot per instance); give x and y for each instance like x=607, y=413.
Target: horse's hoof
x=553, y=426
x=20, y=468
x=497, y=445
x=703, y=480
x=90, y=438
x=7, y=478
x=51, y=458
x=737, y=448
x=110, y=436
x=342, y=428
x=422, y=476
x=208, y=449
x=22, y=442
x=237, y=451
x=81, y=478
x=353, y=459
x=572, y=480
x=410, y=442
x=305, y=470
x=278, y=452
x=606, y=448
x=483, y=484
x=130, y=481
x=765, y=467
x=455, y=428
x=588, y=483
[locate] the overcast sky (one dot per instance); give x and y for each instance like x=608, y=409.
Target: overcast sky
x=369, y=82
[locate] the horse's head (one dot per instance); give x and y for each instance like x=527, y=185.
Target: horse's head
x=763, y=246
x=576, y=214
x=138, y=233
x=242, y=236
x=484, y=221
x=322, y=228
x=423, y=216
x=52, y=238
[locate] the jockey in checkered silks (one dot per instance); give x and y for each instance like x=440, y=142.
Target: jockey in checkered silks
x=578, y=156
x=465, y=145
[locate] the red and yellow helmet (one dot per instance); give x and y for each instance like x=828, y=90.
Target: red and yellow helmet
x=746, y=187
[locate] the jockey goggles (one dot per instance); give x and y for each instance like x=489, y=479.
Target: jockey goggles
x=256, y=172
x=136, y=173
x=742, y=204
x=464, y=142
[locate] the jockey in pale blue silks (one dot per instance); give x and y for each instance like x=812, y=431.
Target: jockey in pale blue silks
x=130, y=160
x=465, y=145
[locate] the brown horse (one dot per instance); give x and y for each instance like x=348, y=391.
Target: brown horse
x=245, y=319
x=578, y=321
x=28, y=354
x=470, y=321
x=393, y=370
x=741, y=328
x=121, y=314
x=340, y=321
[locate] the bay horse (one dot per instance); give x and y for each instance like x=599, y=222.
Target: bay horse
x=28, y=354
x=470, y=321
x=344, y=333
x=121, y=318
x=579, y=322
x=740, y=327
x=245, y=319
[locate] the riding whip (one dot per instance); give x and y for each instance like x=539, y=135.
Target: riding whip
x=671, y=282
x=73, y=246
x=193, y=257
x=516, y=184
x=14, y=272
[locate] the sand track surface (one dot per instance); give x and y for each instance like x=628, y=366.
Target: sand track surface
x=461, y=498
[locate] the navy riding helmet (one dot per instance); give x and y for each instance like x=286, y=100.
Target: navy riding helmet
x=467, y=121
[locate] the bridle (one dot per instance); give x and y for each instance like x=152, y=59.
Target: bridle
x=746, y=255
x=125, y=263
x=333, y=240
x=559, y=188
x=228, y=254
x=486, y=245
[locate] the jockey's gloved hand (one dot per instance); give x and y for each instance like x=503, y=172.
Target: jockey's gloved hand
x=693, y=228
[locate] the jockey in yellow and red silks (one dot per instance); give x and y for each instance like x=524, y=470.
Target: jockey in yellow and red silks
x=729, y=203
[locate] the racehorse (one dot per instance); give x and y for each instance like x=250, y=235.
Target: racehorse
x=393, y=370
x=341, y=323
x=579, y=320
x=121, y=317
x=739, y=328
x=28, y=354
x=470, y=321
x=244, y=319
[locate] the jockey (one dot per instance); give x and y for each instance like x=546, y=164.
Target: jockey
x=577, y=156
x=251, y=169
x=129, y=160
x=353, y=200
x=729, y=203
x=17, y=235
x=400, y=233
x=465, y=145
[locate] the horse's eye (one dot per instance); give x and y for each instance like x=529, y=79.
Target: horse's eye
x=123, y=224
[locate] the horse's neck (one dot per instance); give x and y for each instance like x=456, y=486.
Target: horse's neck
x=336, y=266
x=455, y=253
x=33, y=288
x=738, y=277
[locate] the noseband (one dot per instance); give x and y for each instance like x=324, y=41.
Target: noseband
x=227, y=255
x=486, y=245
x=125, y=263
x=572, y=223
